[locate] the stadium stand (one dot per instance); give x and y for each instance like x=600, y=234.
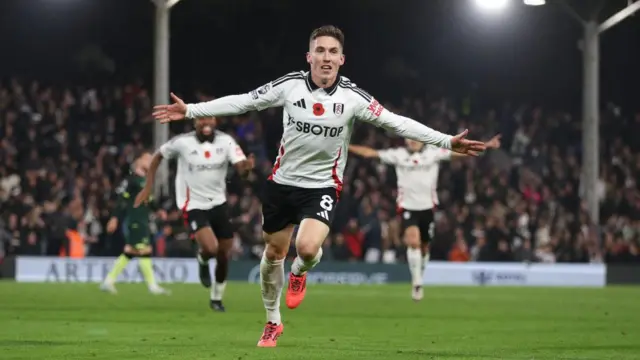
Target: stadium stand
x=64, y=149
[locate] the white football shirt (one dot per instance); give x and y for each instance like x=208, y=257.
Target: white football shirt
x=317, y=123
x=417, y=175
x=201, y=178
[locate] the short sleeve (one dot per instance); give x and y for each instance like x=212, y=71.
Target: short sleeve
x=171, y=149
x=234, y=152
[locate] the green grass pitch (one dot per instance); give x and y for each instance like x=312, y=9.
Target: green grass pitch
x=77, y=321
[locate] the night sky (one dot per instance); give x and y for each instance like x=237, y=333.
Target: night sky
x=230, y=46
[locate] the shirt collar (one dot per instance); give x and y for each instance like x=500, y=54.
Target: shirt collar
x=203, y=140
x=330, y=90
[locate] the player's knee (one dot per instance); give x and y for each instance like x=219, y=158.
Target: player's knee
x=307, y=250
x=207, y=241
x=307, y=253
x=272, y=252
x=224, y=247
x=277, y=244
x=412, y=237
x=209, y=248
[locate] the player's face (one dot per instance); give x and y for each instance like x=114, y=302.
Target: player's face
x=144, y=162
x=413, y=145
x=206, y=126
x=325, y=57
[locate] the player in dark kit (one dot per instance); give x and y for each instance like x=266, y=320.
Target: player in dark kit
x=135, y=225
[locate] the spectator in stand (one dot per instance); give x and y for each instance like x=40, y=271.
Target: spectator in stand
x=63, y=148
x=460, y=250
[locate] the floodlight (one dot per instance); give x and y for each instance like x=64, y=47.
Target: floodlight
x=534, y=2
x=493, y=5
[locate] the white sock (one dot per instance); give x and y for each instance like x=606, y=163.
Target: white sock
x=271, y=283
x=217, y=290
x=425, y=261
x=414, y=260
x=300, y=266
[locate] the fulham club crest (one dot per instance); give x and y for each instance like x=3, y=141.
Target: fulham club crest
x=338, y=109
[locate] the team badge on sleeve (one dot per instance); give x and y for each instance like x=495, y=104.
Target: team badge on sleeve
x=375, y=107
x=255, y=94
x=264, y=89
x=338, y=109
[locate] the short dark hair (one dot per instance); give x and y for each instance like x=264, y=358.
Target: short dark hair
x=328, y=30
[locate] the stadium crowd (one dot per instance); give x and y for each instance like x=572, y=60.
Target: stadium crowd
x=64, y=150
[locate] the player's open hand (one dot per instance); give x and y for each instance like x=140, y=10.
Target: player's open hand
x=173, y=112
x=462, y=145
x=142, y=197
x=494, y=143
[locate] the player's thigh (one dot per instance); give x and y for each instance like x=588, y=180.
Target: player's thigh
x=311, y=234
x=221, y=225
x=277, y=243
x=198, y=221
x=410, y=228
x=138, y=239
x=427, y=226
x=277, y=213
x=316, y=208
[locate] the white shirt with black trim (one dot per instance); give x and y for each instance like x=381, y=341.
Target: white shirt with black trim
x=201, y=178
x=317, y=123
x=417, y=174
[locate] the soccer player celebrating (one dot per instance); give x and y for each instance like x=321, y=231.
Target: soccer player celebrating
x=203, y=158
x=417, y=166
x=319, y=109
x=135, y=222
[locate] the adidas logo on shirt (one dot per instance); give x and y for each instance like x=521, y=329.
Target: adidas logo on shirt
x=300, y=103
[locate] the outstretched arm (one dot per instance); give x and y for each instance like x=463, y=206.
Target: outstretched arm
x=170, y=149
x=153, y=169
x=364, y=151
x=494, y=143
x=386, y=156
x=266, y=96
x=375, y=114
x=371, y=111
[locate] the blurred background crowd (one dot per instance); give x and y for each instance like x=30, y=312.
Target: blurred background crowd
x=65, y=149
x=71, y=122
